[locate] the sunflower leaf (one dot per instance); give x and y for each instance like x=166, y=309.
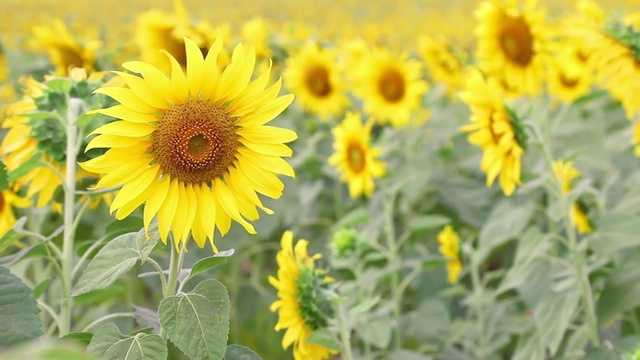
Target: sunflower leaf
x=198, y=322
x=18, y=309
x=211, y=262
x=108, y=344
x=4, y=177
x=324, y=337
x=114, y=260
x=238, y=352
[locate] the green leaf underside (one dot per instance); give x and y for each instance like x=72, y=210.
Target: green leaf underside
x=198, y=322
x=18, y=310
x=108, y=344
x=211, y=262
x=324, y=337
x=238, y=352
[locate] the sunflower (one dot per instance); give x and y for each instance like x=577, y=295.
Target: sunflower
x=157, y=31
x=255, y=32
x=313, y=75
x=6, y=88
x=390, y=87
x=512, y=43
x=443, y=66
x=193, y=146
x=65, y=51
x=449, y=248
x=494, y=129
x=568, y=82
x=8, y=202
x=354, y=158
x=302, y=306
x=566, y=173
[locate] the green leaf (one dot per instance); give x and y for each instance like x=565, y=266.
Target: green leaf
x=325, y=338
x=108, y=344
x=82, y=337
x=621, y=291
x=553, y=317
x=34, y=161
x=4, y=177
x=114, y=260
x=8, y=239
x=616, y=231
x=428, y=222
x=238, y=352
x=18, y=309
x=377, y=332
x=507, y=220
x=211, y=262
x=126, y=225
x=198, y=322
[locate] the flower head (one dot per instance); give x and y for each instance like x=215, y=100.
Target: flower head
x=193, y=147
x=354, y=157
x=450, y=248
x=566, y=173
x=302, y=305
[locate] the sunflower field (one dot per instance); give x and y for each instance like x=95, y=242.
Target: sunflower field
x=404, y=180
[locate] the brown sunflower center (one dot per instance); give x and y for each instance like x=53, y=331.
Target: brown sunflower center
x=317, y=81
x=1, y=202
x=195, y=142
x=516, y=40
x=391, y=85
x=356, y=157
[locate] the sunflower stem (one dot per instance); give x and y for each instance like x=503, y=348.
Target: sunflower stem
x=479, y=302
x=73, y=106
x=392, y=247
x=175, y=266
x=345, y=333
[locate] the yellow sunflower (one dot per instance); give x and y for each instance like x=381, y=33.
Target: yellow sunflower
x=194, y=147
x=255, y=32
x=65, y=51
x=8, y=202
x=6, y=88
x=512, y=43
x=443, y=66
x=495, y=131
x=302, y=306
x=450, y=248
x=390, y=87
x=354, y=158
x=314, y=77
x=566, y=81
x=566, y=173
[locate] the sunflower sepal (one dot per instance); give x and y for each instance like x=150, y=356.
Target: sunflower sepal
x=519, y=128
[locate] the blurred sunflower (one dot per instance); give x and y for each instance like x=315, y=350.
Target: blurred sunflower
x=354, y=158
x=449, y=248
x=302, y=305
x=390, y=87
x=566, y=173
x=255, y=32
x=314, y=77
x=566, y=81
x=6, y=88
x=512, y=43
x=157, y=31
x=193, y=147
x=495, y=130
x=65, y=51
x=8, y=202
x=443, y=67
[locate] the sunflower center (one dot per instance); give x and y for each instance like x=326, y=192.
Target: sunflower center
x=70, y=57
x=356, y=157
x=391, y=85
x=317, y=81
x=195, y=142
x=517, y=41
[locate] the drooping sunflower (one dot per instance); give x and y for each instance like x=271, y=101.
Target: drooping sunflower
x=355, y=159
x=512, y=43
x=65, y=51
x=450, y=248
x=566, y=173
x=193, y=147
x=495, y=130
x=390, y=87
x=302, y=306
x=314, y=77
x=443, y=66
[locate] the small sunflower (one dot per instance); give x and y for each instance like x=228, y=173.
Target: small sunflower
x=390, y=87
x=450, y=248
x=354, y=158
x=566, y=173
x=495, y=130
x=193, y=147
x=302, y=305
x=65, y=51
x=314, y=77
x=443, y=66
x=512, y=43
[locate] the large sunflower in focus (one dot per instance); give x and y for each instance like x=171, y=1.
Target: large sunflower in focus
x=302, y=306
x=495, y=131
x=354, y=157
x=313, y=75
x=390, y=87
x=65, y=51
x=512, y=43
x=193, y=147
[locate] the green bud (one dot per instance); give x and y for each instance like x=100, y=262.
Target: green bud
x=344, y=241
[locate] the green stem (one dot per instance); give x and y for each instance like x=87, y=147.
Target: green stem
x=479, y=296
x=345, y=334
x=69, y=202
x=392, y=247
x=175, y=266
x=108, y=317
